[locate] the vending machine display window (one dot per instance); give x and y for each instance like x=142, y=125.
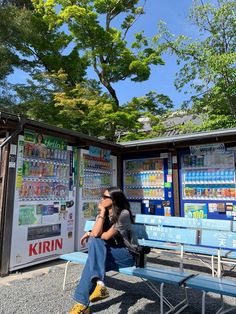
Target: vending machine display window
x=97, y=172
x=45, y=173
x=208, y=176
x=97, y=176
x=144, y=179
x=44, y=198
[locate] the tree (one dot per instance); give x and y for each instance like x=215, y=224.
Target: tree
x=104, y=45
x=57, y=44
x=18, y=3
x=208, y=63
x=90, y=25
x=27, y=44
x=87, y=109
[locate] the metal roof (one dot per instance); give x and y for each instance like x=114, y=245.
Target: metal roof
x=6, y=118
x=181, y=138
x=163, y=141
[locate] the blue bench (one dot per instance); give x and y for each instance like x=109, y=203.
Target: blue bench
x=153, y=233
x=176, y=278
x=220, y=286
x=208, y=237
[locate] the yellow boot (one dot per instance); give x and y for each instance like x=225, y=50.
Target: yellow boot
x=80, y=309
x=100, y=292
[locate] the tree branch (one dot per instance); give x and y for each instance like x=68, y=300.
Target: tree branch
x=135, y=20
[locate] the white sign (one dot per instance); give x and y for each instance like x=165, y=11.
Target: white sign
x=206, y=149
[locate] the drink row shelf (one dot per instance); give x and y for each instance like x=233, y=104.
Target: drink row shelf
x=32, y=190
x=40, y=151
x=141, y=193
x=209, y=193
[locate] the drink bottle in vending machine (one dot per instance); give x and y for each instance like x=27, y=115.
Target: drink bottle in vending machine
x=97, y=172
x=207, y=182
x=147, y=183
x=44, y=211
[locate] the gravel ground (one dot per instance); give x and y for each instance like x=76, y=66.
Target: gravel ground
x=38, y=290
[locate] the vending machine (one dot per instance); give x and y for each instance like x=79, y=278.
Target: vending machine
x=207, y=181
x=97, y=172
x=44, y=202
x=147, y=183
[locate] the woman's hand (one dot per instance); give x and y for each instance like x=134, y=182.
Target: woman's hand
x=84, y=239
x=101, y=209
x=103, y=205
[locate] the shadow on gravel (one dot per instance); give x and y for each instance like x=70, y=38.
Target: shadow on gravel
x=138, y=295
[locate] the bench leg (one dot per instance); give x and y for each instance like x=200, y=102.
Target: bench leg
x=204, y=302
x=219, y=263
x=222, y=305
x=65, y=274
x=212, y=266
x=158, y=293
x=227, y=311
x=178, y=308
x=164, y=300
x=182, y=258
x=221, y=309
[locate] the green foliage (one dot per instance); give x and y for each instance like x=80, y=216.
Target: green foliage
x=56, y=43
x=218, y=122
x=104, y=45
x=18, y=3
x=208, y=63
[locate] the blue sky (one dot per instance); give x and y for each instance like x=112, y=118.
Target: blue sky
x=175, y=14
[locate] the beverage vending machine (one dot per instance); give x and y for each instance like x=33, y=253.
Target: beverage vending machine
x=147, y=183
x=207, y=182
x=97, y=172
x=44, y=210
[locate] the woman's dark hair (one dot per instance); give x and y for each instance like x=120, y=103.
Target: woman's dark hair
x=119, y=202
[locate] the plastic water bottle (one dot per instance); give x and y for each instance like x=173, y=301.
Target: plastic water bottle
x=222, y=178
x=201, y=177
x=186, y=178
x=197, y=176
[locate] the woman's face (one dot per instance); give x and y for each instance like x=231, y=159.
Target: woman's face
x=106, y=199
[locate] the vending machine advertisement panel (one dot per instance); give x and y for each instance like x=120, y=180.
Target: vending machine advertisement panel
x=207, y=182
x=97, y=172
x=44, y=210
x=147, y=183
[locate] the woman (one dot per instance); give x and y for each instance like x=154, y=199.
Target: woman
x=106, y=250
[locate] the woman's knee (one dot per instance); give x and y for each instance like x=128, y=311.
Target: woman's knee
x=96, y=242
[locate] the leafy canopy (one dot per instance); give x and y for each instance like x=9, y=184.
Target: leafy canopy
x=90, y=29
x=208, y=63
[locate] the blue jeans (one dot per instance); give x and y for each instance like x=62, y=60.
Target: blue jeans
x=101, y=258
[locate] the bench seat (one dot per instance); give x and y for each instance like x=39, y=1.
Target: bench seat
x=219, y=286
x=213, y=284
x=147, y=273
x=75, y=257
x=157, y=274
x=162, y=276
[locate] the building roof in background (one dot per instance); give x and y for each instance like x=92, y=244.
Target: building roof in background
x=176, y=119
